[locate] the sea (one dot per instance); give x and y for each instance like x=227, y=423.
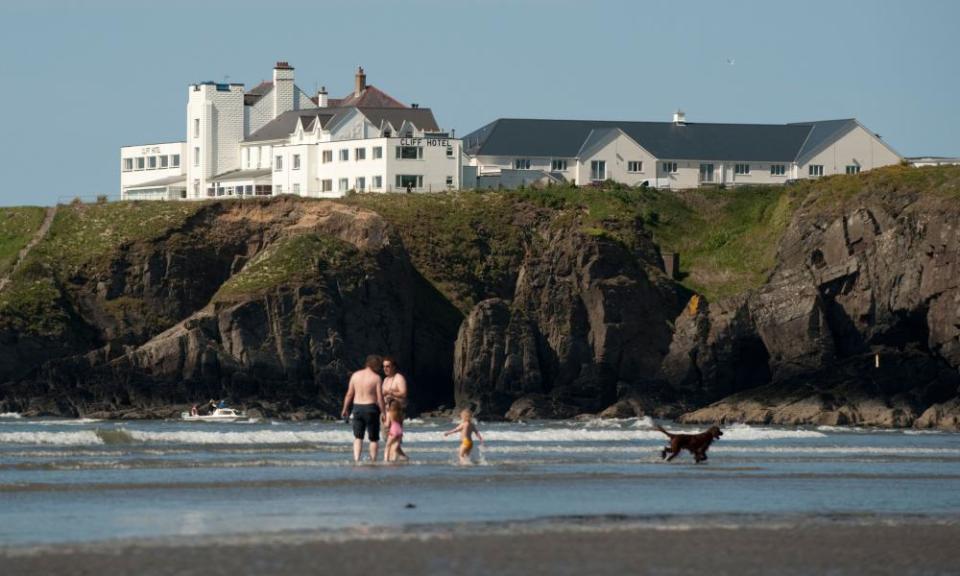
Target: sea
x=84, y=480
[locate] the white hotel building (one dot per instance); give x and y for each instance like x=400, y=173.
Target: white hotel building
x=275, y=139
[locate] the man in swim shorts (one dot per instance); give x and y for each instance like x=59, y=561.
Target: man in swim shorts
x=365, y=394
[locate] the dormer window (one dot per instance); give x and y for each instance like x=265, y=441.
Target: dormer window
x=521, y=164
x=387, y=133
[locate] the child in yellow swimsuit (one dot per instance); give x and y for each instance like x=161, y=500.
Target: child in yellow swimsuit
x=467, y=429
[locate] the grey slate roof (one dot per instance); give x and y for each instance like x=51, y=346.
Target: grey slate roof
x=667, y=140
x=284, y=124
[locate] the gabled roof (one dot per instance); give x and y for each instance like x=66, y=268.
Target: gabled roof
x=422, y=118
x=286, y=124
x=822, y=132
x=667, y=140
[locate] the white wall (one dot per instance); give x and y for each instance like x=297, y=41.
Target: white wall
x=136, y=176
x=617, y=151
x=858, y=146
x=221, y=115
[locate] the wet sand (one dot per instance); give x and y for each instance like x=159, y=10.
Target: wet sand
x=585, y=549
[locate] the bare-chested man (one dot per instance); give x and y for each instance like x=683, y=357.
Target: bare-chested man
x=366, y=395
x=394, y=390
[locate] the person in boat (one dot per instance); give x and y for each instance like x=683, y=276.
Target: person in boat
x=364, y=399
x=222, y=404
x=395, y=393
x=194, y=411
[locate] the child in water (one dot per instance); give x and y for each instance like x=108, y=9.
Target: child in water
x=395, y=431
x=467, y=429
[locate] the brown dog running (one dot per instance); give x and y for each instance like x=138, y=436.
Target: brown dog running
x=697, y=444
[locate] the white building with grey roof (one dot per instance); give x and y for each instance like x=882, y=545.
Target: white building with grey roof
x=679, y=154
x=276, y=139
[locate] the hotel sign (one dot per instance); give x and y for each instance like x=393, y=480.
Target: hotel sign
x=424, y=142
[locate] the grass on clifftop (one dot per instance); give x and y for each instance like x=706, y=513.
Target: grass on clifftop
x=80, y=235
x=291, y=260
x=17, y=227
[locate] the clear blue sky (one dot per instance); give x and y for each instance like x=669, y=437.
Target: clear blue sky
x=80, y=79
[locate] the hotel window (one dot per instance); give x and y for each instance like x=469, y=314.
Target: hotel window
x=344, y=184
x=140, y=163
x=247, y=153
x=449, y=181
x=377, y=152
x=196, y=127
x=196, y=155
x=815, y=170
x=670, y=167
x=521, y=164
x=296, y=161
x=741, y=168
x=853, y=169
x=327, y=156
x=175, y=161
x=164, y=161
x=278, y=164
x=449, y=151
x=411, y=181
x=360, y=154
x=361, y=183
x=377, y=181
x=326, y=185
x=558, y=165
x=279, y=188
x=598, y=170
x=296, y=188
x=409, y=153
x=344, y=154
x=127, y=164
x=634, y=166
x=778, y=170
x=151, y=162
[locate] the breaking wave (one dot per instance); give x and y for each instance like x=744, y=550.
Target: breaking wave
x=120, y=436
x=10, y=415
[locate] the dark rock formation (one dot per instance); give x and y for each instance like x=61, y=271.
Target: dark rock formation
x=588, y=313
x=878, y=277
x=286, y=345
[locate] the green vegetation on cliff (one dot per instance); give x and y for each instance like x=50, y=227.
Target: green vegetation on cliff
x=292, y=260
x=468, y=245
x=80, y=241
x=17, y=227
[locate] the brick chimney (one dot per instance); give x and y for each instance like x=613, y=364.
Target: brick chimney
x=360, y=82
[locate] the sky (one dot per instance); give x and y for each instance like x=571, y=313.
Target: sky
x=80, y=79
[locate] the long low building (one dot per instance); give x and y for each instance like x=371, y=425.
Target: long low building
x=679, y=154
x=275, y=139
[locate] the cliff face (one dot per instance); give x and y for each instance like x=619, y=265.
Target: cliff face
x=269, y=304
x=526, y=304
x=859, y=323
x=587, y=315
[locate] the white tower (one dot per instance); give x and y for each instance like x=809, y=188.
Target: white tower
x=214, y=132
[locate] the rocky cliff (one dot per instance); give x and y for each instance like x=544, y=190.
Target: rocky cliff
x=859, y=323
x=833, y=302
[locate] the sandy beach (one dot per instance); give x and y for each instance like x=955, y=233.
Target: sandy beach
x=584, y=549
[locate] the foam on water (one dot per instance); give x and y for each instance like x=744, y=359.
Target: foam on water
x=582, y=433
x=10, y=415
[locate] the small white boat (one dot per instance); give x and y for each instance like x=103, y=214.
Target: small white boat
x=218, y=415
